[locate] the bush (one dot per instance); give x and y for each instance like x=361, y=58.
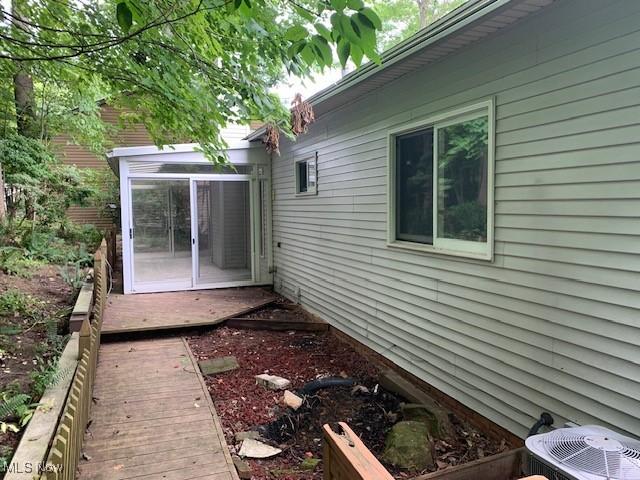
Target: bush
x=39, y=187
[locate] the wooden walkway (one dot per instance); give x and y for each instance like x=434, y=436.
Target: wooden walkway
x=158, y=311
x=152, y=417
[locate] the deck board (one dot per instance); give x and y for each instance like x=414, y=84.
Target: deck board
x=169, y=310
x=152, y=417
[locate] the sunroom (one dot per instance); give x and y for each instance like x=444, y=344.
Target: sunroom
x=188, y=224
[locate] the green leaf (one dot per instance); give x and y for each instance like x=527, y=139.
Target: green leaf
x=308, y=54
x=372, y=17
x=324, y=49
x=124, y=16
x=136, y=10
x=296, y=33
x=365, y=31
x=324, y=31
x=355, y=4
x=304, y=13
x=295, y=49
x=344, y=48
x=364, y=20
x=346, y=28
x=356, y=55
x=338, y=4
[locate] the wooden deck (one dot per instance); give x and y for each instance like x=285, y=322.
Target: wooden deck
x=158, y=311
x=152, y=417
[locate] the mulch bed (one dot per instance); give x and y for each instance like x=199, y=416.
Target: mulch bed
x=302, y=358
x=22, y=348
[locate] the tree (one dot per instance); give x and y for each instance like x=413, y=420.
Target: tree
x=403, y=18
x=184, y=68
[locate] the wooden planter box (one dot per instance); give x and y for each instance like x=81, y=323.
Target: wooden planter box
x=503, y=466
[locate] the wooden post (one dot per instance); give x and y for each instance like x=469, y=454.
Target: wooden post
x=347, y=458
x=84, y=341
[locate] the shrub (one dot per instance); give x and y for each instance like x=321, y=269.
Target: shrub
x=39, y=187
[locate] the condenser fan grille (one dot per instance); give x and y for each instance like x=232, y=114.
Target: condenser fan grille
x=605, y=454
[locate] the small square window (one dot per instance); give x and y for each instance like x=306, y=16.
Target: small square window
x=306, y=176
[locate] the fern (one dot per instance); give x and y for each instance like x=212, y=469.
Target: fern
x=12, y=405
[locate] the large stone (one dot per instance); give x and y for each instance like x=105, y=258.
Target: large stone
x=292, y=400
x=218, y=365
x=272, y=382
x=409, y=446
x=395, y=383
x=436, y=419
x=254, y=449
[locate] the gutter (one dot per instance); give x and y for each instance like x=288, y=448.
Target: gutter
x=438, y=30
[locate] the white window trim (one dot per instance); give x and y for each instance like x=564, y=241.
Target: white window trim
x=447, y=246
x=310, y=191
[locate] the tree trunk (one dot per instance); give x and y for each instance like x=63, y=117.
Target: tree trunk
x=23, y=88
x=25, y=104
x=3, y=198
x=425, y=10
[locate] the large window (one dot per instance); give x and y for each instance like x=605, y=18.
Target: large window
x=441, y=184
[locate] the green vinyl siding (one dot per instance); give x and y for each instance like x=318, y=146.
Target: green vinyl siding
x=553, y=322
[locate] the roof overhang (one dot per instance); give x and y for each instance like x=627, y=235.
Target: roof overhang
x=464, y=26
x=239, y=152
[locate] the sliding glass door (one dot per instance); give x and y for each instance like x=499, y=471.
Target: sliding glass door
x=223, y=224
x=161, y=231
x=190, y=233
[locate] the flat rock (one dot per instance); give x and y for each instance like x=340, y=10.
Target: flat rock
x=254, y=449
x=272, y=382
x=218, y=365
x=292, y=400
x=243, y=468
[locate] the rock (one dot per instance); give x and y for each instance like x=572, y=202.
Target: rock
x=252, y=434
x=254, y=449
x=218, y=365
x=292, y=400
x=435, y=418
x=409, y=446
x=395, y=383
x=272, y=382
x=309, y=464
x=243, y=468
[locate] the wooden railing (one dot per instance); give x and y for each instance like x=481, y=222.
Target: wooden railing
x=65, y=451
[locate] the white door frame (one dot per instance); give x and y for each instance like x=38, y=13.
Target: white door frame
x=128, y=241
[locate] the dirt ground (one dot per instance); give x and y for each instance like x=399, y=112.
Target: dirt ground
x=303, y=357
x=23, y=339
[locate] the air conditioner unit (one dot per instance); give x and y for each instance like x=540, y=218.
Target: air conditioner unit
x=584, y=453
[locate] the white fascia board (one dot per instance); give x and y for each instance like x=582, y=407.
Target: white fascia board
x=122, y=152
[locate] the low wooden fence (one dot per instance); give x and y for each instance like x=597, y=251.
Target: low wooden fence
x=66, y=448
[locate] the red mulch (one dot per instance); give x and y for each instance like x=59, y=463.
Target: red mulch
x=302, y=357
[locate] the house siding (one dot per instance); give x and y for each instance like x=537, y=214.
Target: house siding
x=552, y=323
